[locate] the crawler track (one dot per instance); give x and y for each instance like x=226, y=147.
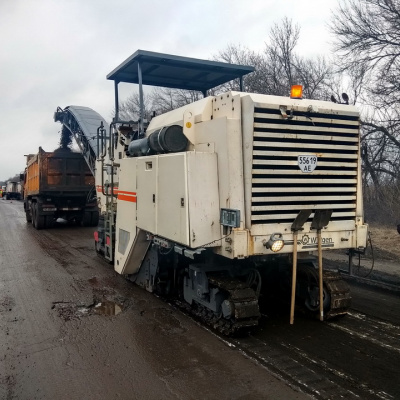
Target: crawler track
x=242, y=300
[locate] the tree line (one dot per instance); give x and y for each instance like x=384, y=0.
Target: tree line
x=364, y=63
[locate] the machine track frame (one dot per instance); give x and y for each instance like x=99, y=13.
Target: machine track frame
x=339, y=292
x=339, y=299
x=240, y=299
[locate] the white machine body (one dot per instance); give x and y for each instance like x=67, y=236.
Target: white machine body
x=252, y=163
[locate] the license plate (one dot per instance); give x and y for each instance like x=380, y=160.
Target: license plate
x=307, y=164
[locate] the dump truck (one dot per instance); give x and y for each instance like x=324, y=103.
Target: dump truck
x=231, y=198
x=59, y=184
x=13, y=190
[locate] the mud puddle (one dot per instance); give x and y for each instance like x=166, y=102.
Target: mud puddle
x=107, y=308
x=69, y=310
x=106, y=301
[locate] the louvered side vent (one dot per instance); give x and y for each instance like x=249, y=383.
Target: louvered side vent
x=280, y=189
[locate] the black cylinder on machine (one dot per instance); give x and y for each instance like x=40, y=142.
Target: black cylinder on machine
x=169, y=139
x=138, y=147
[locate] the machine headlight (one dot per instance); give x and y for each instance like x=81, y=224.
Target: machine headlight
x=275, y=242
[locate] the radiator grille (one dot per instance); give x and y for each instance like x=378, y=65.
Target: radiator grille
x=280, y=189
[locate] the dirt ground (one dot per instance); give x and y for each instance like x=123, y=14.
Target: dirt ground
x=381, y=260
x=385, y=242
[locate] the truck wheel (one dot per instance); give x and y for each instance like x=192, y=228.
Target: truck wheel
x=95, y=218
x=28, y=216
x=38, y=219
x=86, y=219
x=33, y=215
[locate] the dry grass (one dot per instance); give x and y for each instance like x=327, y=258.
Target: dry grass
x=385, y=242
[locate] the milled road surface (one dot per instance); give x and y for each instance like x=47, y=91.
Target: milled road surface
x=56, y=344
x=71, y=328
x=356, y=357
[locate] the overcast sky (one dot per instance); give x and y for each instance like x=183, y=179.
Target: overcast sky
x=58, y=52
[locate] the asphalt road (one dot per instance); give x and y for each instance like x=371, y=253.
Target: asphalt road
x=71, y=328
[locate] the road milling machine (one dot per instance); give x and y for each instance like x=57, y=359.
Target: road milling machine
x=232, y=198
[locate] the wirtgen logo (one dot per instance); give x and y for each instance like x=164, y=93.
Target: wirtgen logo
x=312, y=242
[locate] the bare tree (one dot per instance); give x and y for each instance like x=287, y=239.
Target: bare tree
x=279, y=66
x=167, y=99
x=368, y=33
x=367, y=45
x=368, y=37
x=381, y=144
x=276, y=69
x=129, y=110
x=315, y=76
x=280, y=51
x=237, y=54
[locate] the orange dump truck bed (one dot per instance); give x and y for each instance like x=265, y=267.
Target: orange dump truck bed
x=59, y=171
x=59, y=185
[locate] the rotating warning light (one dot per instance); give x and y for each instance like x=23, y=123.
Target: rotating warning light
x=296, y=92
x=275, y=242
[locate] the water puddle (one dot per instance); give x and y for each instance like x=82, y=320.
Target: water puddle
x=69, y=311
x=107, y=308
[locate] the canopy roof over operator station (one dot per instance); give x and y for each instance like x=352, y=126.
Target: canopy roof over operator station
x=176, y=72
x=165, y=70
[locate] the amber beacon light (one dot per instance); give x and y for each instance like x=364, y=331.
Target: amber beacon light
x=296, y=92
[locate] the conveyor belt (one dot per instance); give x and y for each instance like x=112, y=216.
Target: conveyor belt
x=83, y=123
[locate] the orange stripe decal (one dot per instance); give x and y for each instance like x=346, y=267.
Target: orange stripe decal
x=122, y=194
x=125, y=192
x=125, y=197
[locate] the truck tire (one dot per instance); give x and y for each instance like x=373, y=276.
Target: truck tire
x=86, y=219
x=95, y=218
x=33, y=218
x=28, y=216
x=38, y=220
x=90, y=218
